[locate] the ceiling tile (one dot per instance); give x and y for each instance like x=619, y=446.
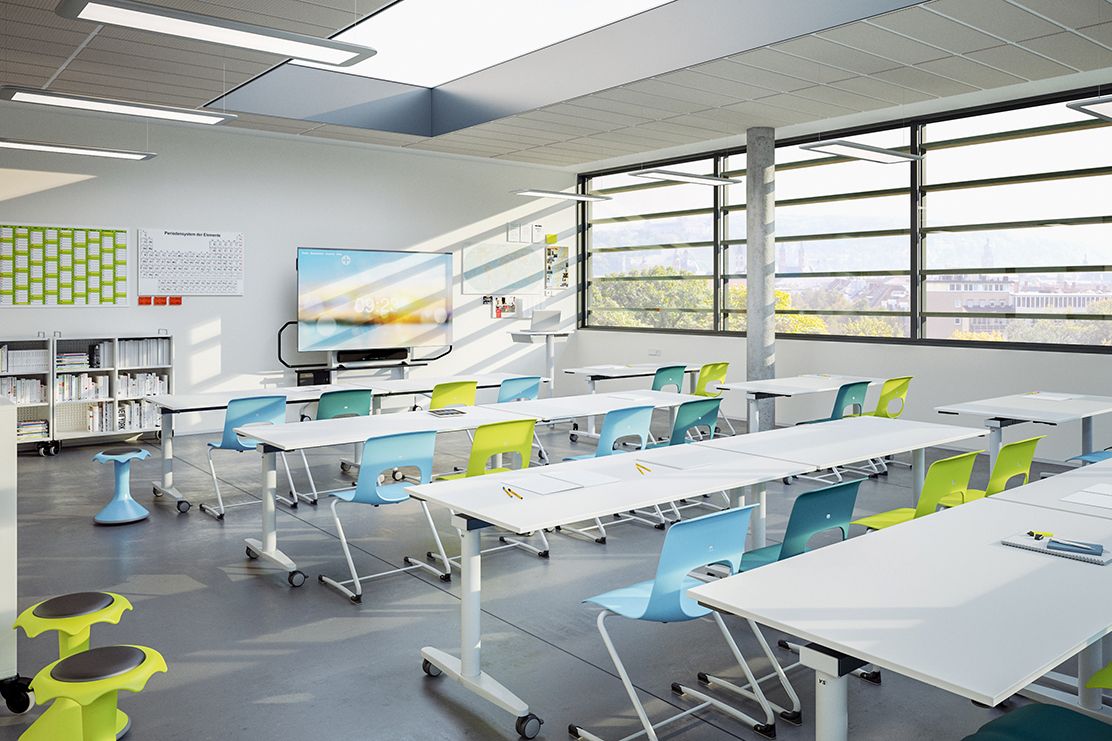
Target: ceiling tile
x=812, y=108
x=883, y=42
x=928, y=82
x=616, y=106
x=37, y=32
x=1069, y=48
x=561, y=118
x=769, y=115
x=527, y=121
x=730, y=70
x=970, y=72
x=774, y=61
x=1071, y=13
x=843, y=98
x=997, y=17
x=1101, y=32
x=874, y=88
x=610, y=117
x=822, y=50
x=692, y=128
x=732, y=90
x=737, y=120
x=346, y=133
x=936, y=30
x=634, y=135
x=677, y=92
x=1020, y=62
x=635, y=97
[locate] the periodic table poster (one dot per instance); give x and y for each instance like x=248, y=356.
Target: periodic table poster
x=190, y=263
x=63, y=266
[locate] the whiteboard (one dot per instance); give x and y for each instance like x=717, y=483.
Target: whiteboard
x=502, y=269
x=190, y=263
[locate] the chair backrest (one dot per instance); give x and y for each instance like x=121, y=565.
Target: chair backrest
x=511, y=436
x=1014, y=459
x=344, y=403
x=519, y=389
x=817, y=511
x=717, y=538
x=619, y=423
x=250, y=410
x=849, y=395
x=669, y=375
x=708, y=374
x=453, y=394
x=945, y=476
x=694, y=414
x=894, y=389
x=384, y=454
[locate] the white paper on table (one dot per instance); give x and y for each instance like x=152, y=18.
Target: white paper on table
x=1091, y=498
x=540, y=484
x=685, y=457
x=1048, y=396
x=581, y=478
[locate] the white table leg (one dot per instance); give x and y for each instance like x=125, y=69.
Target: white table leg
x=995, y=439
x=831, y=707
x=757, y=493
x=1086, y=435
x=754, y=421
x=467, y=669
x=591, y=388
x=166, y=486
x=918, y=471
x=267, y=546
x=1089, y=662
x=550, y=362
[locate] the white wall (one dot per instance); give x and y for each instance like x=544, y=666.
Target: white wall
x=282, y=192
x=942, y=375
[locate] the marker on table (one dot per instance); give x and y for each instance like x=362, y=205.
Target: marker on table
x=511, y=493
x=642, y=468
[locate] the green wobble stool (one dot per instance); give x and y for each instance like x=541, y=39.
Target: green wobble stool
x=72, y=617
x=91, y=681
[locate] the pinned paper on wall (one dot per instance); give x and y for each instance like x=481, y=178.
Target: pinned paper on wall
x=502, y=268
x=63, y=266
x=191, y=263
x=557, y=270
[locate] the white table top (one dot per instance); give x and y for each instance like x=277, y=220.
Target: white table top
x=1048, y=492
x=424, y=385
x=482, y=497
x=343, y=430
x=635, y=370
x=844, y=441
x=210, y=400
x=543, y=332
x=939, y=599
x=590, y=405
x=812, y=383
x=1036, y=406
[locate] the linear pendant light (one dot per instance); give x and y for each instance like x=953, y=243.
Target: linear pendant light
x=684, y=177
x=198, y=27
x=845, y=148
x=535, y=193
x=1099, y=107
x=105, y=105
x=32, y=146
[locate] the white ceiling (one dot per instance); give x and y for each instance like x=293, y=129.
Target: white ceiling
x=938, y=49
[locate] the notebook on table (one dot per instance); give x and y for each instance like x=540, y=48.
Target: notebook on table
x=1027, y=543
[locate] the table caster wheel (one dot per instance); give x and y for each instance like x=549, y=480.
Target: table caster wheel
x=787, y=481
x=183, y=506
x=295, y=578
x=345, y=466
x=17, y=695
x=430, y=668
x=528, y=726
x=155, y=491
x=250, y=553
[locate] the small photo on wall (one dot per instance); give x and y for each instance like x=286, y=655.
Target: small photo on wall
x=503, y=307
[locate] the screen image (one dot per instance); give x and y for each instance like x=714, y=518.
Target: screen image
x=362, y=299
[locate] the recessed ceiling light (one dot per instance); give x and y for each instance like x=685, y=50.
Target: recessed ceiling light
x=105, y=105
x=560, y=194
x=684, y=177
x=844, y=148
x=118, y=154
x=214, y=30
x=431, y=42
x=1098, y=107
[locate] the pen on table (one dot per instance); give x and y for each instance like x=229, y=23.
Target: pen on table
x=642, y=468
x=511, y=493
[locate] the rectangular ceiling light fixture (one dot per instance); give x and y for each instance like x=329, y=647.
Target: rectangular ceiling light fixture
x=684, y=177
x=845, y=148
x=105, y=105
x=117, y=154
x=535, y=193
x=430, y=42
x=1098, y=107
x=198, y=27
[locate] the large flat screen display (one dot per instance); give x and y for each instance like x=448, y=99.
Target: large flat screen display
x=363, y=299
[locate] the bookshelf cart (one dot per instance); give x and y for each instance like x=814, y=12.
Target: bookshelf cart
x=25, y=378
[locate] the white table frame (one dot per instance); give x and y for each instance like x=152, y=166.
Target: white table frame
x=785, y=388
x=596, y=373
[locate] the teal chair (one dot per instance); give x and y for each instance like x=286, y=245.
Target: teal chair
x=243, y=412
x=382, y=454
x=1037, y=722
x=851, y=397
x=669, y=377
x=336, y=405
x=691, y=417
x=717, y=538
x=814, y=512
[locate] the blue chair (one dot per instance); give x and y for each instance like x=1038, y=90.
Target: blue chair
x=669, y=377
x=850, y=395
x=523, y=388
x=717, y=538
x=381, y=457
x=1095, y=456
x=618, y=424
x=249, y=410
x=122, y=509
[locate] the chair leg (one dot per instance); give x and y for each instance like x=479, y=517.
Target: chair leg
x=728, y=424
x=541, y=452
x=218, y=513
x=293, y=488
x=314, y=495
x=441, y=554
x=586, y=531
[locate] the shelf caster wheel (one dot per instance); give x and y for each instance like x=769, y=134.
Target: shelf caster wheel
x=250, y=553
x=42, y=451
x=295, y=578
x=528, y=726
x=767, y=730
x=794, y=717
x=183, y=506
x=345, y=466
x=600, y=541
x=543, y=554
x=53, y=448
x=430, y=668
x=872, y=677
x=18, y=695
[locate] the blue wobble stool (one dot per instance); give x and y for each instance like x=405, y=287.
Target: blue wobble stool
x=122, y=509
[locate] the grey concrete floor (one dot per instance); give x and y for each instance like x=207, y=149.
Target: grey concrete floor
x=250, y=657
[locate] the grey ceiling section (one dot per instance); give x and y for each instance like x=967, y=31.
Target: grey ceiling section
x=677, y=35
x=292, y=91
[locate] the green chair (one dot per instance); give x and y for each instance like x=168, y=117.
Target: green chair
x=1013, y=460
x=453, y=394
x=709, y=374
x=945, y=477
x=894, y=390
x=668, y=376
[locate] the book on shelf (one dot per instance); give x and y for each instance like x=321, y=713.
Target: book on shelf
x=23, y=361
x=30, y=428
x=81, y=387
x=145, y=353
x=23, y=390
x=142, y=384
x=138, y=415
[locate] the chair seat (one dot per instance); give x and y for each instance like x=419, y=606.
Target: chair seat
x=98, y=663
x=579, y=457
x=1038, y=722
x=953, y=500
x=761, y=557
x=1094, y=457
x=391, y=494
x=632, y=601
x=72, y=605
x=121, y=454
x=887, y=519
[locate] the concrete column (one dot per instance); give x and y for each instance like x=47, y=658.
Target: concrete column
x=760, y=256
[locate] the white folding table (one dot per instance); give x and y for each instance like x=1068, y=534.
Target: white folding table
x=783, y=388
x=1043, y=407
x=596, y=373
x=841, y=442
x=938, y=599
x=481, y=502
x=424, y=385
x=564, y=408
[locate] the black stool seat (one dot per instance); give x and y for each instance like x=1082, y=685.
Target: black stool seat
x=121, y=450
x=72, y=605
x=98, y=663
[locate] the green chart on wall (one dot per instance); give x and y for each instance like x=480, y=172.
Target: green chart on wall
x=63, y=266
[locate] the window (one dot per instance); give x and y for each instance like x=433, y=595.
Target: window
x=1002, y=232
